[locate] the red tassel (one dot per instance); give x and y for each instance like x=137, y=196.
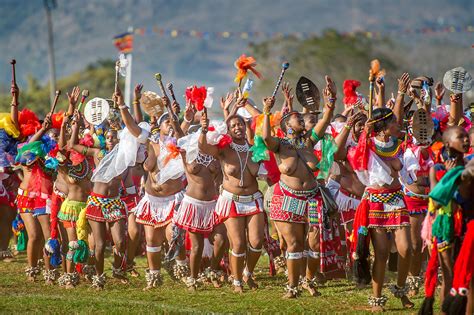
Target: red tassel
x=431, y=276
x=361, y=219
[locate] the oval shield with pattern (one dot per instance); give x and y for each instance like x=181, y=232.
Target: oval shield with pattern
x=457, y=80
x=308, y=94
x=96, y=111
x=422, y=126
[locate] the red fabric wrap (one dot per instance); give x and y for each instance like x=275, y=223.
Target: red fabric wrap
x=416, y=205
x=464, y=266
x=276, y=212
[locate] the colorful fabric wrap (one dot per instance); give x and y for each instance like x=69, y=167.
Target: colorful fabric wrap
x=8, y=149
x=416, y=203
x=447, y=225
x=444, y=190
x=70, y=210
x=30, y=202
x=328, y=148
x=7, y=124
x=105, y=209
x=295, y=206
x=387, y=209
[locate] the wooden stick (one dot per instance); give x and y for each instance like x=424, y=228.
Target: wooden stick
x=13, y=62
x=371, y=92
x=160, y=84
x=55, y=102
x=117, y=70
x=170, y=88
x=85, y=94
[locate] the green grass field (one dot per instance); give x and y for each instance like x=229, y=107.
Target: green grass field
x=18, y=296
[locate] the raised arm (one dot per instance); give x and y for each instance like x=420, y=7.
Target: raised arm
x=188, y=117
x=272, y=143
x=62, y=143
x=44, y=128
x=174, y=117
x=14, y=106
x=439, y=93
x=72, y=97
x=137, y=111
x=380, y=100
x=455, y=110
x=398, y=109
x=74, y=141
x=226, y=102
x=127, y=118
x=341, y=138
x=205, y=147
x=287, y=93
x=329, y=93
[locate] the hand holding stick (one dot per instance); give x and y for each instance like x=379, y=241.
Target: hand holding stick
x=170, y=88
x=13, y=62
x=85, y=94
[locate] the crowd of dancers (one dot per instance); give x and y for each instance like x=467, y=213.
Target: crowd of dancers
x=203, y=199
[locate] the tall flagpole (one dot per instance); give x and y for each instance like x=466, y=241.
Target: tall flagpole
x=128, y=77
x=50, y=5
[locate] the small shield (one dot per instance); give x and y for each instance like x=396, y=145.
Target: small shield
x=308, y=94
x=422, y=126
x=152, y=104
x=457, y=80
x=96, y=111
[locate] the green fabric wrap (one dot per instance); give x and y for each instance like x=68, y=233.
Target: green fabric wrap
x=22, y=241
x=444, y=190
x=82, y=252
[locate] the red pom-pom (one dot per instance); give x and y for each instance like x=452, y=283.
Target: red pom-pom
x=224, y=141
x=76, y=158
x=211, y=128
x=349, y=88
x=88, y=141
x=57, y=120
x=197, y=96
x=29, y=122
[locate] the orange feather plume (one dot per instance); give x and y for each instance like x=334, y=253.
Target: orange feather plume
x=244, y=64
x=375, y=69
